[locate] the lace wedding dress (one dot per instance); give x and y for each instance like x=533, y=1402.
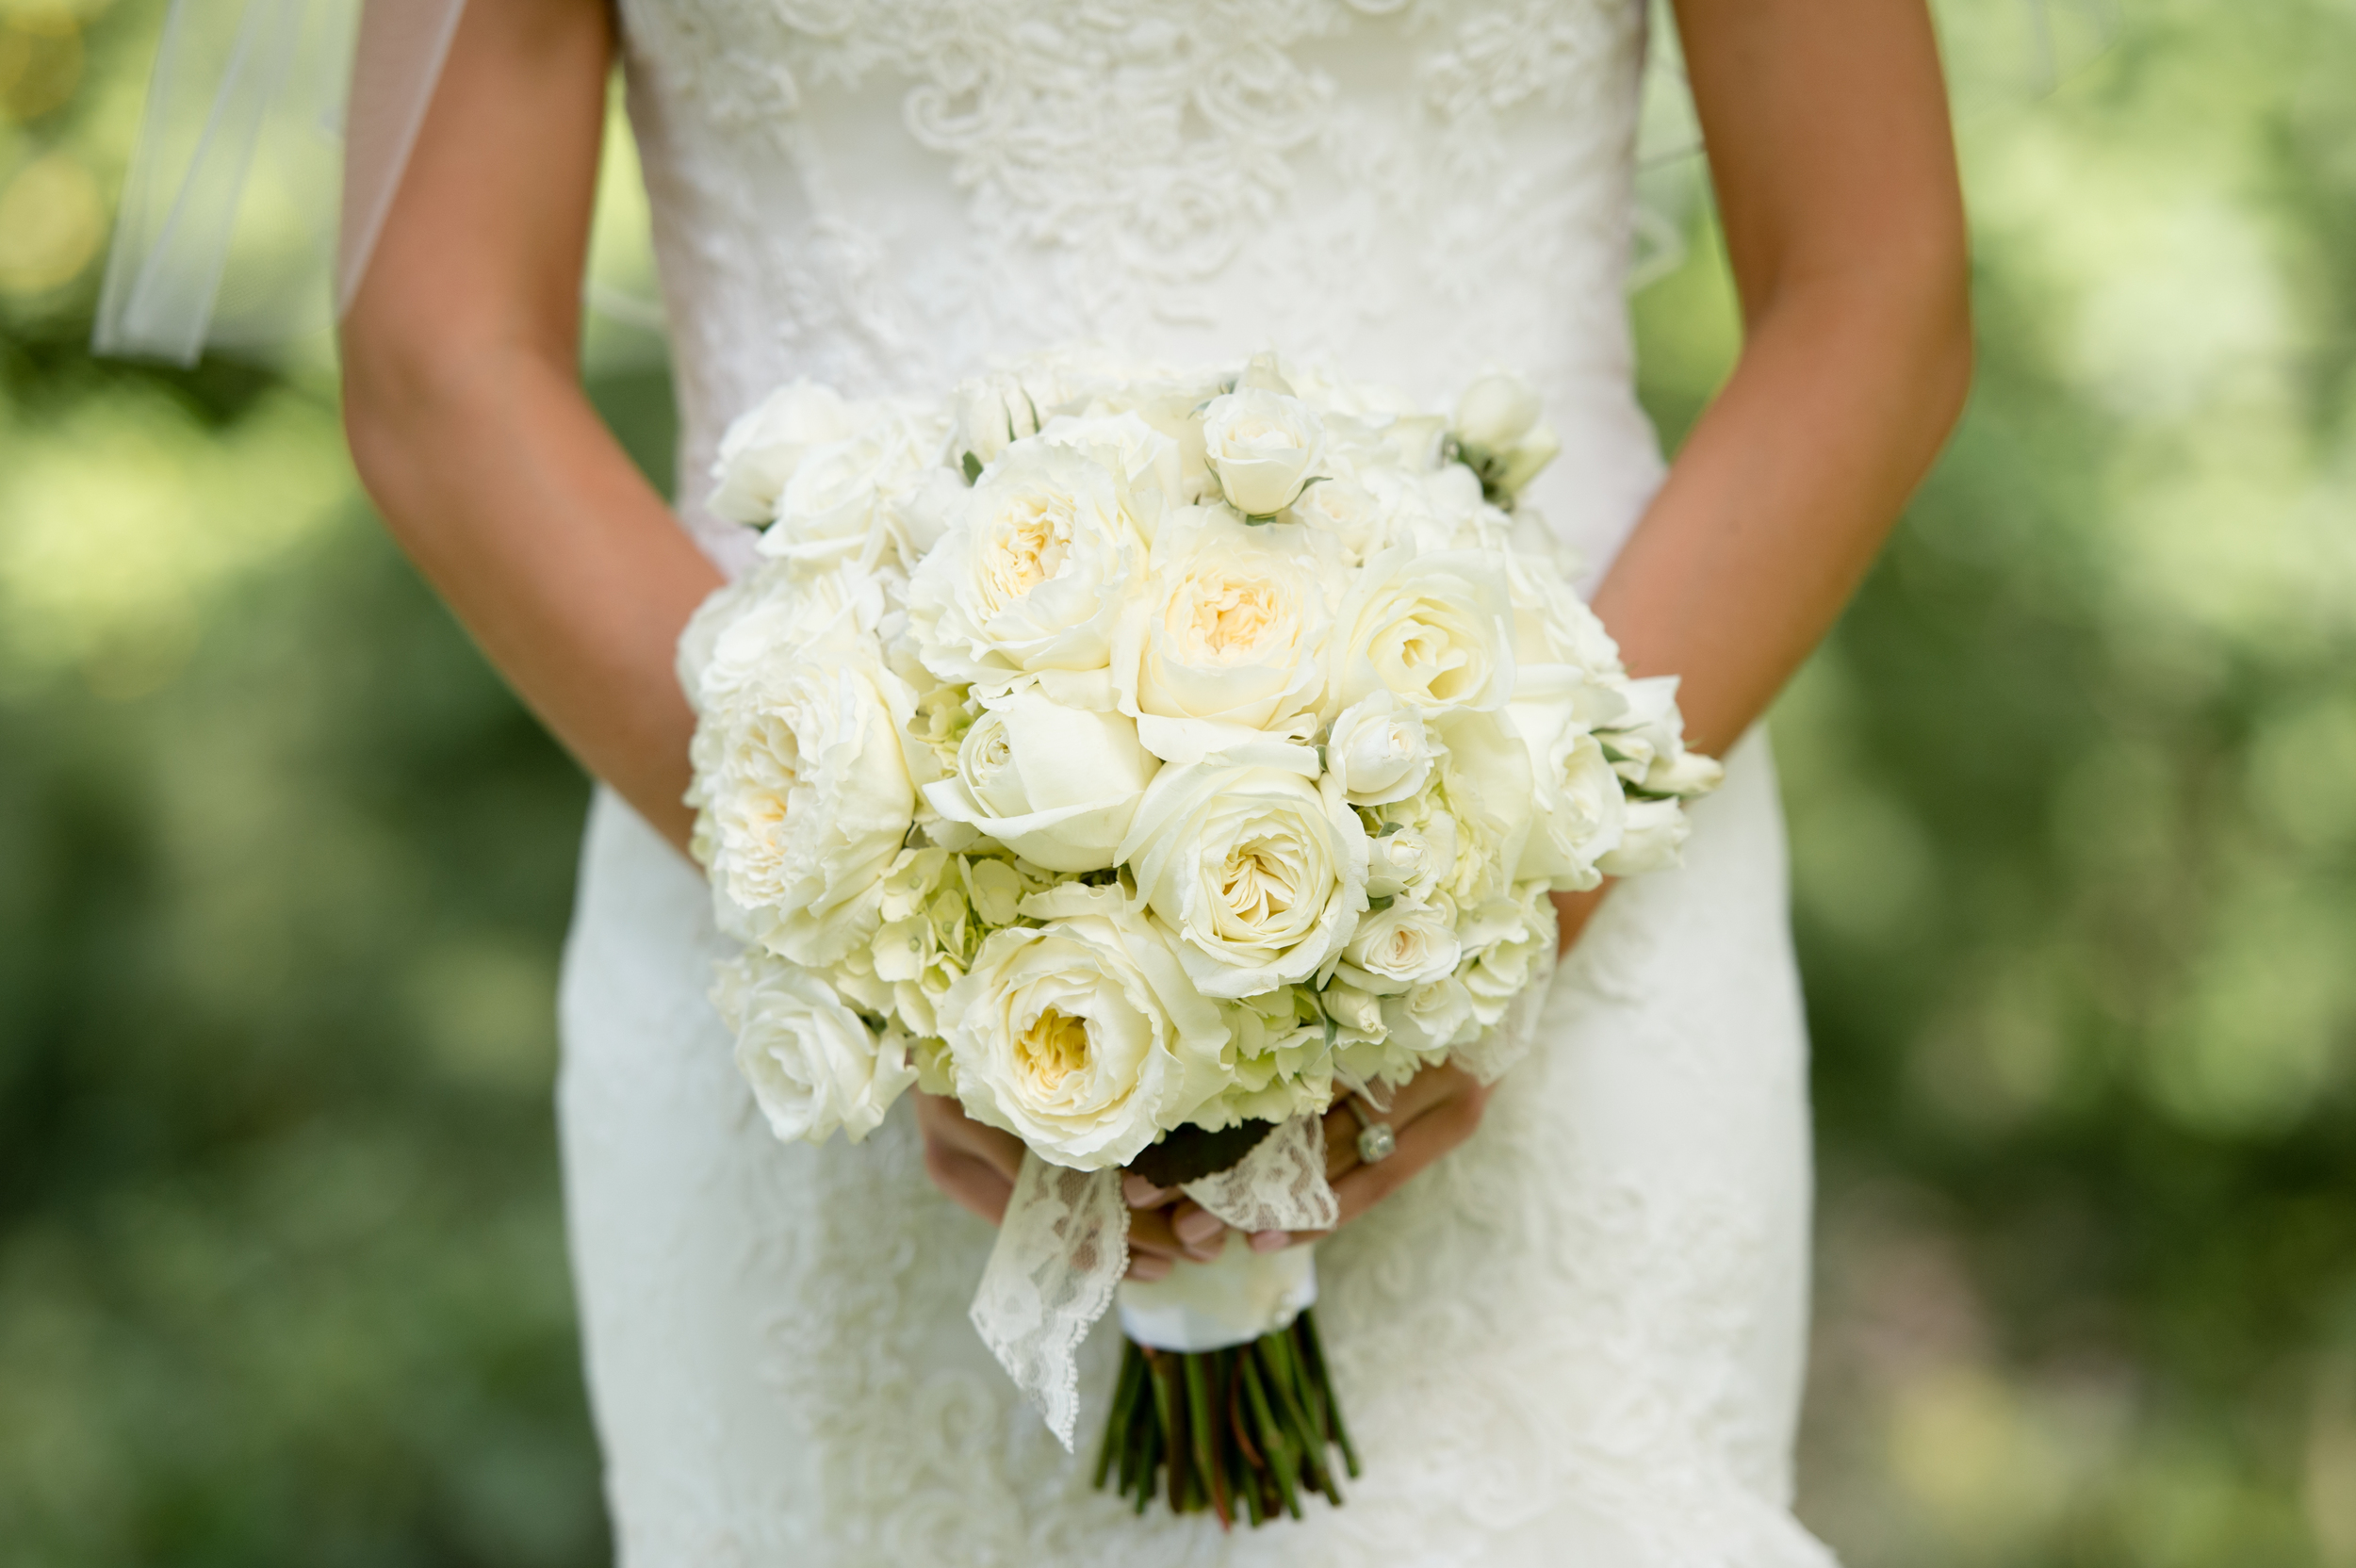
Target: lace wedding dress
x=1579, y=1339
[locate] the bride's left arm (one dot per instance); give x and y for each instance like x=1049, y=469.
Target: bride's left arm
x=1827, y=126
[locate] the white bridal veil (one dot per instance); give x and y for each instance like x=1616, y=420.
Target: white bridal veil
x=231, y=226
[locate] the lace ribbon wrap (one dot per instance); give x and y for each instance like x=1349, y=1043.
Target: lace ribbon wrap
x=1064, y=1246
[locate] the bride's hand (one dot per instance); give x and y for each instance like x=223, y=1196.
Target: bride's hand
x=974, y=1164
x=1434, y=1112
x=1431, y=1112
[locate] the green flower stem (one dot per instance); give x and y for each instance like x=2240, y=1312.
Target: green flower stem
x=1245, y=1431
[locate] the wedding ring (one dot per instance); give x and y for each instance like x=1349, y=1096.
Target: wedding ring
x=1375, y=1141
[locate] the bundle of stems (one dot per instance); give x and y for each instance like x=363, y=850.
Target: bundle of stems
x=1247, y=1429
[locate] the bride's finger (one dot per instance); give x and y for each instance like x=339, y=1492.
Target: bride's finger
x=1201, y=1232
x=1152, y=1250
x=1413, y=1098
x=1419, y=1143
x=1149, y=1232
x=971, y=1182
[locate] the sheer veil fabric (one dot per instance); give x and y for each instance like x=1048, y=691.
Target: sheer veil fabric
x=232, y=223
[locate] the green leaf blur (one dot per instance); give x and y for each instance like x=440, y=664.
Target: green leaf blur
x=284, y=873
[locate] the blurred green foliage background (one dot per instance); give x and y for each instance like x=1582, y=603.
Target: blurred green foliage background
x=282, y=873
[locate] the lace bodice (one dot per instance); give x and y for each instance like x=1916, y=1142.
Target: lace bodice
x=886, y=194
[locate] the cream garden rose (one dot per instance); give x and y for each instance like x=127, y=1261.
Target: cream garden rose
x=760, y=453
x=1034, y=573
x=805, y=796
x=1259, y=874
x=1082, y=1037
x=1225, y=644
x=868, y=497
x=814, y=1067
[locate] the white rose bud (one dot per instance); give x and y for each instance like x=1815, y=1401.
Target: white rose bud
x=1401, y=947
x=1263, y=447
x=813, y=1066
x=1431, y=1016
x=1379, y=750
x=1411, y=860
x=989, y=414
x=1496, y=412
x=1497, y=424
x=1355, y=519
x=1056, y=785
x=1581, y=805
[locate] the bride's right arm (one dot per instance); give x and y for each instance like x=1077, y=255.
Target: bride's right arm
x=462, y=402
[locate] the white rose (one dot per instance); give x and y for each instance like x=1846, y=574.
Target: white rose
x=806, y=797
x=1485, y=784
x=1410, y=857
x=1263, y=447
x=1654, y=838
x=1033, y=573
x=1056, y=785
x=1431, y=1016
x=1436, y=630
x=814, y=1067
x=1379, y=750
x=762, y=449
x=1351, y=514
x=1260, y=872
x=1147, y=461
x=1083, y=1036
x=1225, y=640
x=1509, y=945
x=1552, y=626
x=1401, y=947
x=1581, y=807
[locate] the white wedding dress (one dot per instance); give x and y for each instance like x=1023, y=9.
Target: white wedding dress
x=1578, y=1339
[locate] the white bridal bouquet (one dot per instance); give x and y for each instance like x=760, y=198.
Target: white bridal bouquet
x=1147, y=758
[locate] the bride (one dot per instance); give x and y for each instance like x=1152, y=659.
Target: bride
x=1567, y=1314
